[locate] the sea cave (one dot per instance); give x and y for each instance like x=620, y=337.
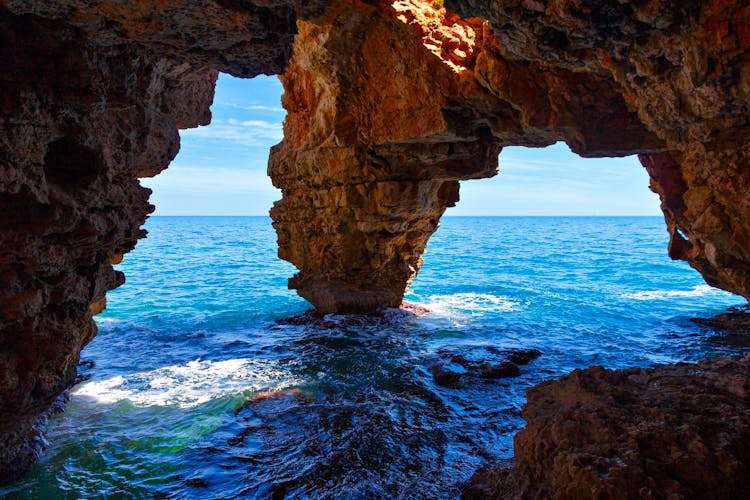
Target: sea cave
x=389, y=105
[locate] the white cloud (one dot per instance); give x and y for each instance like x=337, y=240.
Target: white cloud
x=249, y=133
x=252, y=107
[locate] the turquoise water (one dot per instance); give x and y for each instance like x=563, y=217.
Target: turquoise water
x=186, y=347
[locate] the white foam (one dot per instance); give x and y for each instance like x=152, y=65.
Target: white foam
x=470, y=303
x=697, y=291
x=188, y=385
x=101, y=321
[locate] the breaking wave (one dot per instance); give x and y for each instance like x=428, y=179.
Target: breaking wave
x=475, y=304
x=188, y=385
x=697, y=291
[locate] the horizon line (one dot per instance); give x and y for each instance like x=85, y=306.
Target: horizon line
x=443, y=216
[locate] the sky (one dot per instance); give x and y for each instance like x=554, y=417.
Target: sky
x=221, y=169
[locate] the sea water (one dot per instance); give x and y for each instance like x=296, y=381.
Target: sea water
x=176, y=403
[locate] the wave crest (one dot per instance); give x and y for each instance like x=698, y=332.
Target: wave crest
x=697, y=291
x=188, y=385
x=470, y=303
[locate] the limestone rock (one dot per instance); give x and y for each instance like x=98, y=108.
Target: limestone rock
x=92, y=98
x=679, y=431
x=389, y=105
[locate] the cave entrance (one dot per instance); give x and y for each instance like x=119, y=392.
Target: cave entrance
x=221, y=168
x=554, y=181
x=555, y=230
x=210, y=240
x=563, y=247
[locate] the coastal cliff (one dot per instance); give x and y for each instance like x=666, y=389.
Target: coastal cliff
x=389, y=106
x=92, y=101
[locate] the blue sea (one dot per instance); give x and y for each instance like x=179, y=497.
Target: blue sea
x=195, y=389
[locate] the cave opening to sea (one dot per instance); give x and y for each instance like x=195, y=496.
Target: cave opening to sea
x=221, y=168
x=196, y=386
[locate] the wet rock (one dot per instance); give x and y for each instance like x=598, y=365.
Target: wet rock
x=389, y=315
x=448, y=374
x=459, y=365
x=505, y=369
x=523, y=357
x=196, y=482
x=679, y=431
x=737, y=320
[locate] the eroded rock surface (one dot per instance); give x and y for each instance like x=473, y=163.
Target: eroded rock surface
x=680, y=431
x=390, y=105
x=91, y=100
x=374, y=143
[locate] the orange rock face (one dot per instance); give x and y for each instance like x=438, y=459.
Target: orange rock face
x=389, y=106
x=391, y=103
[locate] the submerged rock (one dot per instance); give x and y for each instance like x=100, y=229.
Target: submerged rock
x=678, y=431
x=736, y=320
x=391, y=315
x=461, y=364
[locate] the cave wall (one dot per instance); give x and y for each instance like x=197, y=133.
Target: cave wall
x=80, y=123
x=92, y=99
x=389, y=106
x=374, y=143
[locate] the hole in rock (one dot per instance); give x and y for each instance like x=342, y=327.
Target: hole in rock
x=554, y=181
x=70, y=164
x=221, y=168
x=548, y=226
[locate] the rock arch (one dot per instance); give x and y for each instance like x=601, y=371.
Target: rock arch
x=390, y=104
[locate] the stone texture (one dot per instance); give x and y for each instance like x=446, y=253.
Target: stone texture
x=79, y=124
x=374, y=144
x=92, y=98
x=242, y=37
x=705, y=200
x=390, y=105
x=679, y=431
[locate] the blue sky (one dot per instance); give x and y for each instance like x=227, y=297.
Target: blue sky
x=221, y=169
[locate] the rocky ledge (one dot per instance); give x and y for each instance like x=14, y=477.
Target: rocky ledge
x=679, y=431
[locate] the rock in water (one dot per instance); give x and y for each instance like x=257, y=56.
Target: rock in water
x=461, y=364
x=679, y=431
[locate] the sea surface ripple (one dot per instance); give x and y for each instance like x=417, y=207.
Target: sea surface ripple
x=197, y=389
